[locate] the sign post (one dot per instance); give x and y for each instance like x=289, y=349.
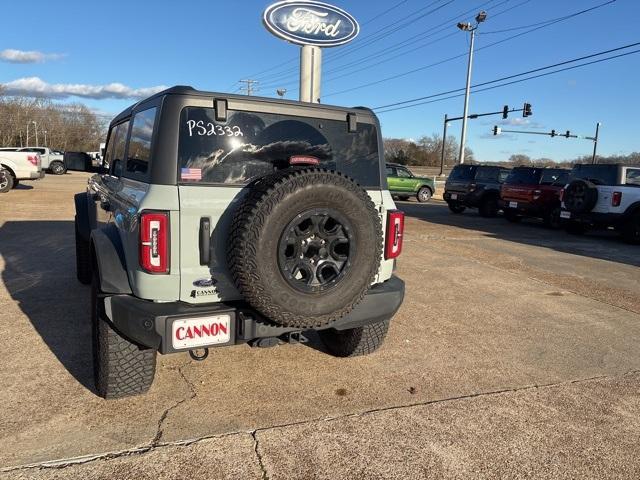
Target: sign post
x=313, y=25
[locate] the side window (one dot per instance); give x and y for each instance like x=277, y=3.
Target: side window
x=633, y=177
x=391, y=172
x=402, y=173
x=139, y=151
x=119, y=147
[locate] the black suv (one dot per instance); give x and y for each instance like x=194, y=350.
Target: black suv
x=475, y=186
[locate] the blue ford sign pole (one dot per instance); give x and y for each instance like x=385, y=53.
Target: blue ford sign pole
x=313, y=25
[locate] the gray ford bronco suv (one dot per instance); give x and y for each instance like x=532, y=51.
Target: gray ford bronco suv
x=227, y=219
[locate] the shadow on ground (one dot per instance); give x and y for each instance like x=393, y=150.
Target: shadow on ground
x=604, y=245
x=39, y=274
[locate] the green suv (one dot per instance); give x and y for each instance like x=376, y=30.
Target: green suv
x=404, y=184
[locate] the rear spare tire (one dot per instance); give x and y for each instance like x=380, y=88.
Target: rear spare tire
x=580, y=196
x=305, y=246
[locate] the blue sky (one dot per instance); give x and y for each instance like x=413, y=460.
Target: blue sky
x=212, y=44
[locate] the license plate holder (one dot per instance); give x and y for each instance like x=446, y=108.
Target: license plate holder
x=201, y=331
x=513, y=204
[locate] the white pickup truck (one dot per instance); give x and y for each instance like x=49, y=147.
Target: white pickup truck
x=19, y=166
x=52, y=161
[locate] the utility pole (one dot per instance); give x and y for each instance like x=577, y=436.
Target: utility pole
x=444, y=145
x=249, y=88
x=35, y=125
x=467, y=27
x=45, y=138
x=595, y=143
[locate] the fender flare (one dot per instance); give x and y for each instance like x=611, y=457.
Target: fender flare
x=109, y=260
x=85, y=214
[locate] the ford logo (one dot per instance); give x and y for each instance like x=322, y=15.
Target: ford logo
x=310, y=23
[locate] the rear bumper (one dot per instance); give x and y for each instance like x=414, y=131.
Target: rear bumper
x=593, y=218
x=455, y=197
x=150, y=324
x=524, y=207
x=36, y=175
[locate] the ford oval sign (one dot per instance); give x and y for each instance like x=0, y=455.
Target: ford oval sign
x=310, y=23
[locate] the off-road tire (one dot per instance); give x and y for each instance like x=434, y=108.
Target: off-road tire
x=8, y=181
x=631, y=229
x=424, y=194
x=57, y=168
x=83, y=257
x=355, y=341
x=580, y=196
x=121, y=368
x=456, y=207
x=260, y=222
x=512, y=216
x=489, y=207
x=552, y=219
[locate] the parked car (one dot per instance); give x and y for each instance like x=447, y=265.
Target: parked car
x=533, y=192
x=603, y=196
x=19, y=166
x=268, y=228
x=403, y=184
x=79, y=161
x=475, y=186
x=51, y=160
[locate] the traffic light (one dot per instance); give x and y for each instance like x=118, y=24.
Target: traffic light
x=497, y=130
x=505, y=111
x=526, y=110
x=553, y=133
x=567, y=134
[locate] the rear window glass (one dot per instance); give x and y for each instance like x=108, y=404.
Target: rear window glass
x=523, y=176
x=633, y=177
x=598, y=174
x=554, y=177
x=463, y=172
x=139, y=150
x=487, y=174
x=249, y=145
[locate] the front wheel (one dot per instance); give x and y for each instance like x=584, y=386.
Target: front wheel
x=58, y=168
x=121, y=368
x=552, y=219
x=355, y=341
x=424, y=194
x=456, y=207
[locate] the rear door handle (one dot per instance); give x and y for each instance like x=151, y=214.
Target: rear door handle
x=205, y=241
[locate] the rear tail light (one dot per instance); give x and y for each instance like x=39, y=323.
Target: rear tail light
x=33, y=159
x=536, y=194
x=154, y=242
x=395, y=231
x=616, y=199
x=561, y=194
x=472, y=187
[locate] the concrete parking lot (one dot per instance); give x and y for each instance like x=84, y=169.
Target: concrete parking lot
x=515, y=355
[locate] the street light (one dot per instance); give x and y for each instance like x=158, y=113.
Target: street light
x=468, y=27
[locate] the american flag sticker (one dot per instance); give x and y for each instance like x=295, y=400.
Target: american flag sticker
x=191, y=174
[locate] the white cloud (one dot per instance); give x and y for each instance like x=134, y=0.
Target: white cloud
x=35, y=87
x=21, y=56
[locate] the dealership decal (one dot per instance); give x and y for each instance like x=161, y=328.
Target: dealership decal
x=310, y=23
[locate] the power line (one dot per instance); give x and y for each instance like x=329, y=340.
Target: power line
x=511, y=82
x=424, y=67
x=249, y=87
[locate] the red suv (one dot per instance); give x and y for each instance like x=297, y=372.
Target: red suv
x=533, y=192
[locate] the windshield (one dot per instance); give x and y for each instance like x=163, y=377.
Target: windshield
x=463, y=172
x=250, y=145
x=598, y=174
x=523, y=176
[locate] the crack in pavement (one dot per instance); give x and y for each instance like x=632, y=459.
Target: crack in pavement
x=265, y=475
x=68, y=462
x=159, y=431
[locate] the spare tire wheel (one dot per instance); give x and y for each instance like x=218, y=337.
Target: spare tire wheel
x=305, y=246
x=580, y=196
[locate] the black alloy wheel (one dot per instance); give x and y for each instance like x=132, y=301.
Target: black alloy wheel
x=315, y=249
